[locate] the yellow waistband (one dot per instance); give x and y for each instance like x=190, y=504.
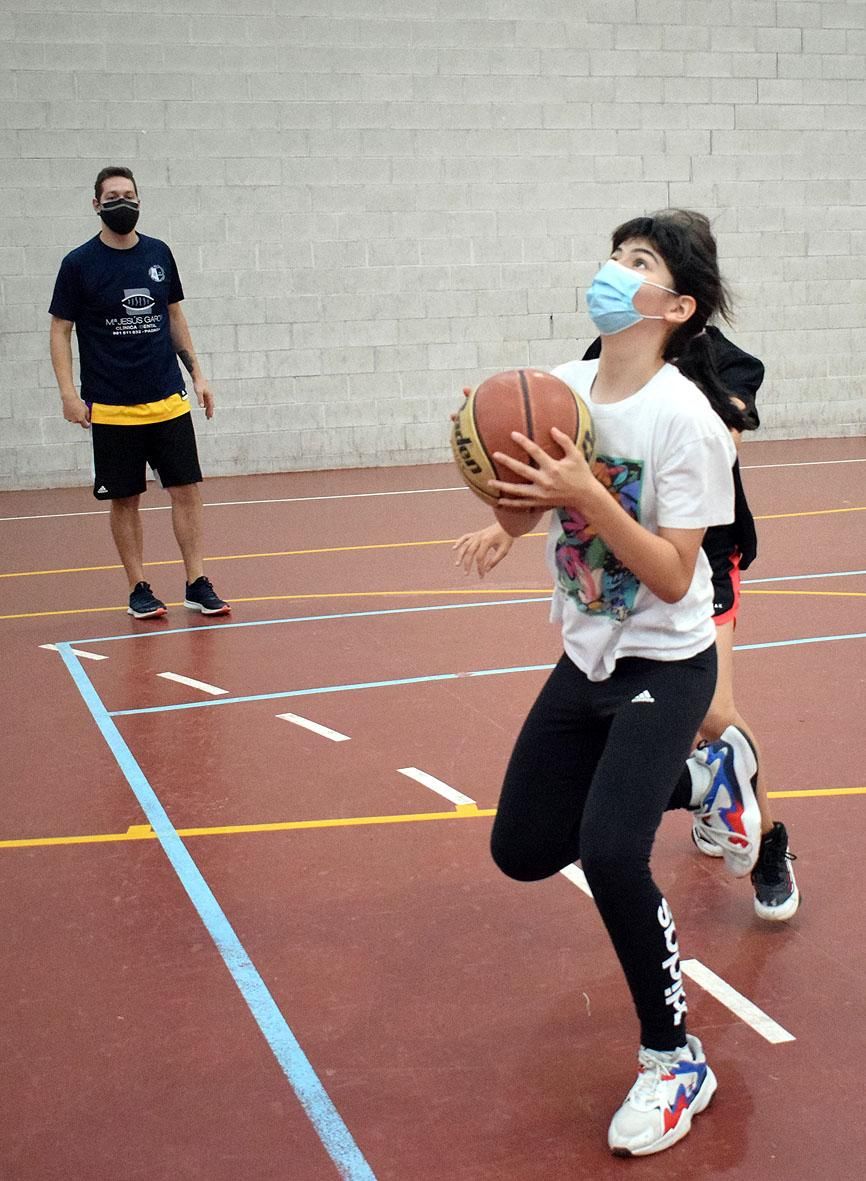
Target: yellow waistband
x=142, y=413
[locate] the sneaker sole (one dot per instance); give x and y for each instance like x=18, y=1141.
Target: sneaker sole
x=704, y=845
x=157, y=614
x=700, y=1103
x=226, y=610
x=779, y=914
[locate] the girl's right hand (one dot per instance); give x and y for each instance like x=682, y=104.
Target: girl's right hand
x=486, y=548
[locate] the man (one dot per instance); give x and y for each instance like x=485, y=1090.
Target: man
x=121, y=292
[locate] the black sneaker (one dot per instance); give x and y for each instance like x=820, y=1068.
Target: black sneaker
x=201, y=596
x=776, y=893
x=143, y=603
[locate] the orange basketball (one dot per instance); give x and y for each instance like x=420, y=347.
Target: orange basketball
x=525, y=400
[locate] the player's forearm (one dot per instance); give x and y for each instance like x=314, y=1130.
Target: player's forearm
x=61, y=361
x=181, y=340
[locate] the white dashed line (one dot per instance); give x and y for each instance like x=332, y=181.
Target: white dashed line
x=76, y=652
x=205, y=688
x=450, y=793
x=334, y=735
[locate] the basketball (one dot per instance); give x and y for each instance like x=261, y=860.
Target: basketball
x=525, y=400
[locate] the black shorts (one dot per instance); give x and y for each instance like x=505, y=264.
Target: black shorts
x=121, y=455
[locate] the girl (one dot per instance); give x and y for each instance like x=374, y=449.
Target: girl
x=603, y=751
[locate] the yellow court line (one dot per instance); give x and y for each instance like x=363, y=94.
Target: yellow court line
x=462, y=591
x=348, y=549
x=143, y=832
x=818, y=512
x=817, y=791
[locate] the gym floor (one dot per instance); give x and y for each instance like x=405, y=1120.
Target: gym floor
x=252, y=929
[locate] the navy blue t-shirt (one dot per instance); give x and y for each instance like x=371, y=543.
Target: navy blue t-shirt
x=119, y=301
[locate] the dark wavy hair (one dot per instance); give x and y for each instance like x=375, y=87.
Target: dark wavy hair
x=685, y=241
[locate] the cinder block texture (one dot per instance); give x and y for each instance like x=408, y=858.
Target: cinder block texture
x=376, y=202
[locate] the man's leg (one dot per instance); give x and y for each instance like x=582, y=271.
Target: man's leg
x=125, y=522
x=186, y=520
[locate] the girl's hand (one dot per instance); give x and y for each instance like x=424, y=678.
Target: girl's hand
x=486, y=547
x=552, y=483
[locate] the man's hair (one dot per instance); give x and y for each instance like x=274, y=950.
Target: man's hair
x=113, y=170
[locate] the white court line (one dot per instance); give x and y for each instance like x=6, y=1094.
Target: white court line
x=86, y=655
x=450, y=793
x=164, y=508
x=203, y=685
x=334, y=735
x=739, y=1005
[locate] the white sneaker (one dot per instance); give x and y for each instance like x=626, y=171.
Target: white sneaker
x=728, y=814
x=671, y=1089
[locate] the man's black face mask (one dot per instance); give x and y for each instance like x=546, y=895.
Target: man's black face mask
x=119, y=215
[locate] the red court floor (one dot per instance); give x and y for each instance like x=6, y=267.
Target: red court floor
x=245, y=945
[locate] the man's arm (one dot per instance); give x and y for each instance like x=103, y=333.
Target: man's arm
x=74, y=409
x=182, y=342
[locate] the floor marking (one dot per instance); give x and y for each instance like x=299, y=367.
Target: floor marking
x=803, y=577
x=144, y=832
x=323, y=1115
x=381, y=612
x=86, y=655
x=805, y=594
x=432, y=678
x=426, y=780
x=739, y=1005
x=334, y=735
x=347, y=549
x=544, y=592
x=203, y=685
x=577, y=877
x=164, y=508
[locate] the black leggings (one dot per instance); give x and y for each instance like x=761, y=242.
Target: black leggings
x=594, y=768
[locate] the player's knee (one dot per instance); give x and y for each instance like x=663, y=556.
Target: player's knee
x=517, y=863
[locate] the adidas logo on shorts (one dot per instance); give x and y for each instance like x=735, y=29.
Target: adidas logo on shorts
x=646, y=696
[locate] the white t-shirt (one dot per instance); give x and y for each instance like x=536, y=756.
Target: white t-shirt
x=666, y=456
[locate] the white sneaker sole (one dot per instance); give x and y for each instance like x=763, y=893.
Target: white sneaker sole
x=207, y=610
x=779, y=914
x=700, y=1103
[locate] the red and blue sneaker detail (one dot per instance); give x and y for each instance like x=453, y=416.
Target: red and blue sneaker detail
x=725, y=773
x=672, y=1087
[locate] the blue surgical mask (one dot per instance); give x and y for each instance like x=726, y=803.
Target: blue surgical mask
x=610, y=298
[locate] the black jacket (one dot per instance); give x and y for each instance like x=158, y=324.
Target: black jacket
x=742, y=374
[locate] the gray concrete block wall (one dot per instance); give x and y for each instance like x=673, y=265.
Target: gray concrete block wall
x=376, y=202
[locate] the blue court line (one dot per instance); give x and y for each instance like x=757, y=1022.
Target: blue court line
x=326, y=1120
x=317, y=690
x=177, y=631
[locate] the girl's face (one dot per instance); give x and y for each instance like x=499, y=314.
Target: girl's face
x=640, y=255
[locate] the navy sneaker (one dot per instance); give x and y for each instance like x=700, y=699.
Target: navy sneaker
x=143, y=603
x=728, y=814
x=776, y=895
x=201, y=596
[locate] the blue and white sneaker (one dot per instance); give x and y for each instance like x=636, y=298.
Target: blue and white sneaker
x=671, y=1089
x=727, y=813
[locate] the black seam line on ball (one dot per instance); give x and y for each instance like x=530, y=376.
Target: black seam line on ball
x=527, y=410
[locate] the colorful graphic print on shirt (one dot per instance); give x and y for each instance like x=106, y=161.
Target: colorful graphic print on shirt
x=588, y=572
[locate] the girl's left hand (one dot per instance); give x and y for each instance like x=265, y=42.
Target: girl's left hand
x=553, y=483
